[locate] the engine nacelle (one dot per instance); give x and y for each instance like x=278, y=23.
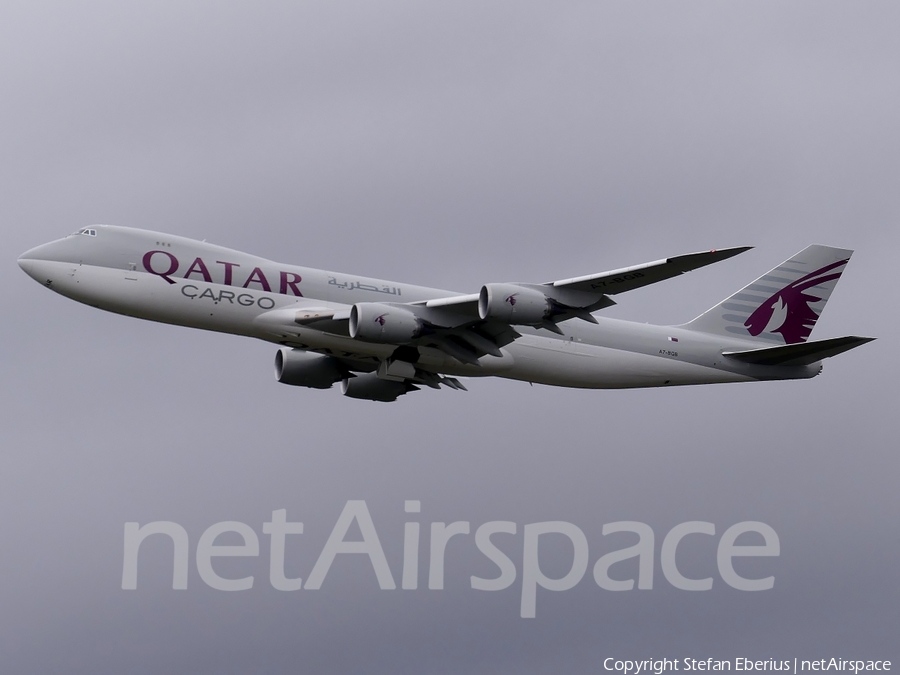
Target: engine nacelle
x=513, y=304
x=370, y=387
x=305, y=369
x=377, y=322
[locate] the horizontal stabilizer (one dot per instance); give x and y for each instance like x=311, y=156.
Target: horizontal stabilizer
x=800, y=354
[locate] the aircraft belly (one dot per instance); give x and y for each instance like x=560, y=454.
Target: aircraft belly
x=149, y=297
x=531, y=358
x=557, y=362
x=226, y=309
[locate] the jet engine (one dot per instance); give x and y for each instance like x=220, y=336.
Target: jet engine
x=370, y=387
x=513, y=304
x=378, y=322
x=305, y=369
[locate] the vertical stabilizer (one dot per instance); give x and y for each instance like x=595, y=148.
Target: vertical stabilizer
x=783, y=305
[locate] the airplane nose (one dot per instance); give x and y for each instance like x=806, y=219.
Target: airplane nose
x=30, y=266
x=30, y=261
x=26, y=260
x=37, y=253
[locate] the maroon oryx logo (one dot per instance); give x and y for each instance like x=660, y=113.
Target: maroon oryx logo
x=511, y=299
x=380, y=319
x=793, y=304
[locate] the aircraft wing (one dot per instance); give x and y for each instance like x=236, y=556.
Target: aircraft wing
x=630, y=278
x=608, y=283
x=468, y=327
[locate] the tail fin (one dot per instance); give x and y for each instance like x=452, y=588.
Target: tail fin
x=783, y=305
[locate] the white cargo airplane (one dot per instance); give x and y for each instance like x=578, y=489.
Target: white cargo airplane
x=383, y=339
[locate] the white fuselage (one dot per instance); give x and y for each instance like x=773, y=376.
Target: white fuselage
x=185, y=282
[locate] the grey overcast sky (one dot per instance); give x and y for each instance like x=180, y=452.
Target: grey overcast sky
x=446, y=144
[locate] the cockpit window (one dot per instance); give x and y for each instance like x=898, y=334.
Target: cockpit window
x=89, y=231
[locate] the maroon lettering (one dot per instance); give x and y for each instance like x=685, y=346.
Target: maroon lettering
x=290, y=280
x=257, y=276
x=173, y=265
x=199, y=267
x=228, y=267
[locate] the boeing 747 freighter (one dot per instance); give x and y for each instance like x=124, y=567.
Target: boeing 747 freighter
x=382, y=339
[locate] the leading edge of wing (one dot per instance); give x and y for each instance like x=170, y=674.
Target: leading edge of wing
x=464, y=305
x=606, y=283
x=630, y=278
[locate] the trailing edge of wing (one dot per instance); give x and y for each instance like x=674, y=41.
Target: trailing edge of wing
x=799, y=354
x=629, y=278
